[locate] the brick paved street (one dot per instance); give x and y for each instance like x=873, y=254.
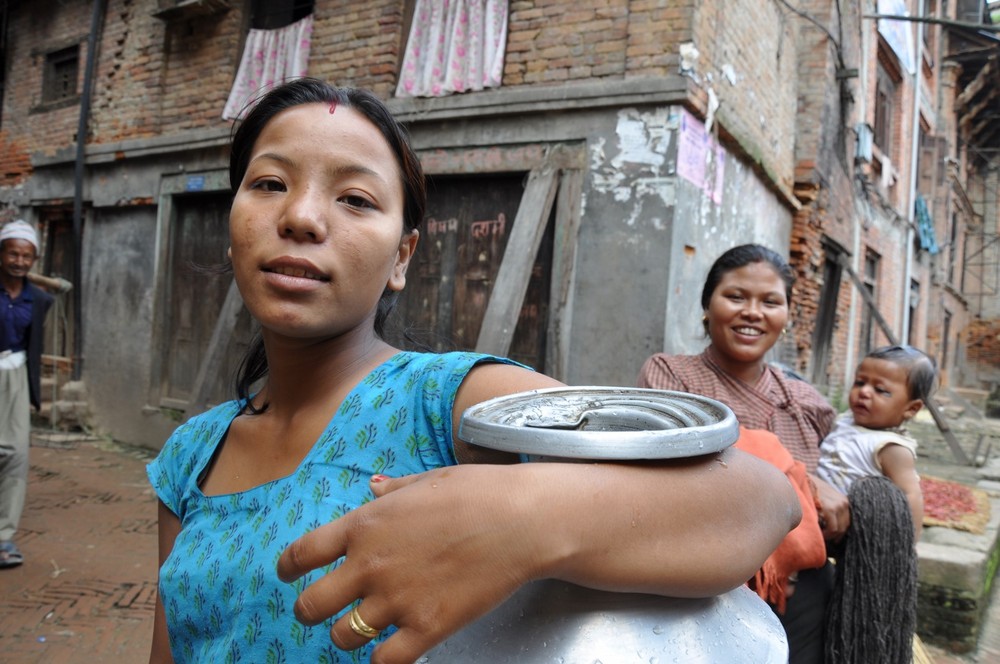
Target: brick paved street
x=86, y=591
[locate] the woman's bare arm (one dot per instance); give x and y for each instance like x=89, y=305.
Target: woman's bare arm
x=439, y=549
x=168, y=526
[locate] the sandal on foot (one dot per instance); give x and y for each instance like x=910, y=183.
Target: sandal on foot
x=10, y=556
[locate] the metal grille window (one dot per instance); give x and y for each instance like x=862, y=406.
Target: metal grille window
x=61, y=72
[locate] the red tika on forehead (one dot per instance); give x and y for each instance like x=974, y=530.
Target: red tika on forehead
x=333, y=107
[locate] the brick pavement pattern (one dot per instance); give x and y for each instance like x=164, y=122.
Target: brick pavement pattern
x=87, y=589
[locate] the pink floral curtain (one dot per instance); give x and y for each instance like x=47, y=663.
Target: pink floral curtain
x=454, y=46
x=269, y=58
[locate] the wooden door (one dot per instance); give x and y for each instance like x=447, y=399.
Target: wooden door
x=59, y=260
x=197, y=288
x=454, y=270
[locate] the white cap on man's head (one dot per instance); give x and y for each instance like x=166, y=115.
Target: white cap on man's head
x=19, y=230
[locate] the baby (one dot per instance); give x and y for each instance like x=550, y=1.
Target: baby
x=890, y=386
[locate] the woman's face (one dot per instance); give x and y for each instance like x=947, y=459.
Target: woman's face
x=747, y=312
x=316, y=226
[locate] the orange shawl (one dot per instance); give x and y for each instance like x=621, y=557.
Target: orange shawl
x=803, y=547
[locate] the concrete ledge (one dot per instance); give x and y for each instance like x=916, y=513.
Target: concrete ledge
x=955, y=574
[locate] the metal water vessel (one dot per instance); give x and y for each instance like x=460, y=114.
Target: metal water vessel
x=554, y=622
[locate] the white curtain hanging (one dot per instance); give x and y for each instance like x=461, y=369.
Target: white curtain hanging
x=454, y=46
x=270, y=57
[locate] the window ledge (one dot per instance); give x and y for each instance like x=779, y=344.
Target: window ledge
x=55, y=105
x=182, y=10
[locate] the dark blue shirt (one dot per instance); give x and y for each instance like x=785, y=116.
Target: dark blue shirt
x=15, y=318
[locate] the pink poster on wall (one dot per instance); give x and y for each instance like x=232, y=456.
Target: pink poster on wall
x=695, y=147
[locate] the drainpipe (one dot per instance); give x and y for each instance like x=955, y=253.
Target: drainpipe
x=914, y=153
x=96, y=24
x=852, y=313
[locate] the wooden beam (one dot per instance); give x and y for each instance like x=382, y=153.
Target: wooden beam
x=975, y=86
x=989, y=122
x=508, y=292
x=568, y=217
x=987, y=137
x=942, y=423
x=968, y=118
x=211, y=364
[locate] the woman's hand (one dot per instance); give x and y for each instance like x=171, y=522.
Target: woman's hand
x=426, y=556
x=437, y=550
x=834, y=510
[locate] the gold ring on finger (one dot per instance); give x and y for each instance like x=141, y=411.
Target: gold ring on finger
x=360, y=627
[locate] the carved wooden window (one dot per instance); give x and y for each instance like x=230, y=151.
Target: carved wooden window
x=61, y=73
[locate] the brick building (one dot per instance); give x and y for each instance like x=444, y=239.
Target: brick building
x=629, y=140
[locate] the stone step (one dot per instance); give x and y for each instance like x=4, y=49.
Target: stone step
x=956, y=570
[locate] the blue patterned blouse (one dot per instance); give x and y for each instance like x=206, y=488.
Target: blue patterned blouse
x=222, y=597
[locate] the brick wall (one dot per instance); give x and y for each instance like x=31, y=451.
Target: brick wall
x=47, y=25
x=358, y=43
x=155, y=77
x=982, y=339
x=748, y=58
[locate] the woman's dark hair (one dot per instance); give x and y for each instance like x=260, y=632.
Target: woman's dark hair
x=313, y=91
x=921, y=369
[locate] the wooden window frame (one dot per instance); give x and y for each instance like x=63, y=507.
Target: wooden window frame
x=56, y=81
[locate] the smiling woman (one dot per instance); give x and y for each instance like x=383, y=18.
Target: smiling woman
x=745, y=299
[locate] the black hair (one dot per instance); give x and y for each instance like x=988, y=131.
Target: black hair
x=872, y=612
x=741, y=256
x=921, y=369
x=311, y=91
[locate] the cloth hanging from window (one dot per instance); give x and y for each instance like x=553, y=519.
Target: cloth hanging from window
x=925, y=227
x=454, y=46
x=270, y=57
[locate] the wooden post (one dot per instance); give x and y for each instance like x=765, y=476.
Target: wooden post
x=211, y=364
x=504, y=307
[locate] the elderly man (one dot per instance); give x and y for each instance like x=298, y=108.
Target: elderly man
x=22, y=314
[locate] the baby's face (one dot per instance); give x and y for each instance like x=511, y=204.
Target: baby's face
x=879, y=397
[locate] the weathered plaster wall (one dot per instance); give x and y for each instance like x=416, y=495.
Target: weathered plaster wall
x=703, y=230
x=648, y=238
x=118, y=283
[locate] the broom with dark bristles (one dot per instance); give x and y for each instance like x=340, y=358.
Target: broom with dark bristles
x=873, y=610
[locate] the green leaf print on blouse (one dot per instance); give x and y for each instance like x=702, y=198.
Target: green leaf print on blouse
x=398, y=419
x=256, y=581
x=322, y=489
x=233, y=654
x=416, y=443
x=335, y=450
x=349, y=477
x=275, y=604
x=295, y=513
x=385, y=461
x=351, y=407
x=432, y=389
x=366, y=436
x=376, y=379
x=275, y=652
x=283, y=495
x=262, y=516
x=252, y=630
x=234, y=547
